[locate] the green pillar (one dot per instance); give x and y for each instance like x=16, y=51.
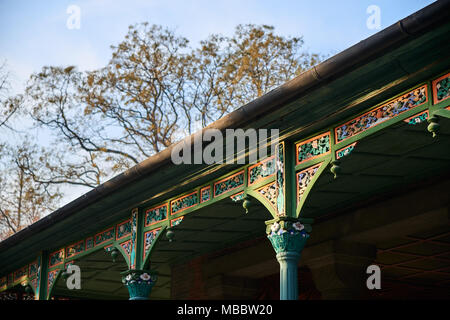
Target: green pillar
x=42, y=276
x=139, y=283
x=288, y=238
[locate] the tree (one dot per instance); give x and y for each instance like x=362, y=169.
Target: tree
x=155, y=90
x=22, y=200
x=8, y=105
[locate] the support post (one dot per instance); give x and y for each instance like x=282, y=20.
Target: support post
x=42, y=277
x=288, y=238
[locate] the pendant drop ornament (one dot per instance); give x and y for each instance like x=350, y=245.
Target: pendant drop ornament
x=170, y=235
x=335, y=168
x=433, y=125
x=246, y=204
x=114, y=254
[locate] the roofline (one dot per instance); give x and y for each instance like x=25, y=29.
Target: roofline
x=343, y=62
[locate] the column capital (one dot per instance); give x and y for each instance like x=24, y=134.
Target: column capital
x=139, y=283
x=287, y=235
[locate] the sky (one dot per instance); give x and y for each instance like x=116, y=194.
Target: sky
x=35, y=33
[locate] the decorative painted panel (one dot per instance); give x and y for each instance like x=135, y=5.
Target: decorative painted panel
x=418, y=118
x=56, y=258
x=184, y=202
x=89, y=243
x=123, y=229
x=441, y=88
x=304, y=178
x=126, y=246
x=51, y=279
x=261, y=170
x=313, y=148
x=237, y=197
x=176, y=222
x=68, y=264
x=33, y=269
x=104, y=236
x=134, y=222
x=382, y=113
x=34, y=284
x=205, y=194
x=21, y=273
x=75, y=249
x=345, y=151
x=230, y=183
x=149, y=238
x=280, y=180
x=269, y=192
x=155, y=215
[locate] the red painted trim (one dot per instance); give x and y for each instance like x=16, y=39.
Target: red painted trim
x=117, y=230
x=172, y=221
x=143, y=245
x=228, y=178
x=130, y=244
x=298, y=174
x=347, y=146
x=20, y=270
x=180, y=198
x=257, y=164
x=68, y=247
x=146, y=212
x=297, y=145
x=379, y=107
x=50, y=257
x=29, y=268
x=86, y=241
x=95, y=236
x=416, y=115
x=434, y=83
x=201, y=194
x=266, y=186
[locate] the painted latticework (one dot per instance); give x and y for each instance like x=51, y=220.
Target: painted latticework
x=441, y=88
x=56, y=258
x=345, y=151
x=313, y=148
x=104, y=236
x=184, y=202
x=33, y=269
x=229, y=183
x=237, y=197
x=51, y=278
x=89, y=243
x=126, y=246
x=269, y=192
x=156, y=215
x=123, y=229
x=134, y=222
x=149, y=238
x=418, y=118
x=304, y=178
x=75, y=249
x=261, y=170
x=384, y=112
x=205, y=194
x=280, y=180
x=176, y=222
x=21, y=273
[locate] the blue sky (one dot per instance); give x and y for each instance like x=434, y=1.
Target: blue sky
x=34, y=33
